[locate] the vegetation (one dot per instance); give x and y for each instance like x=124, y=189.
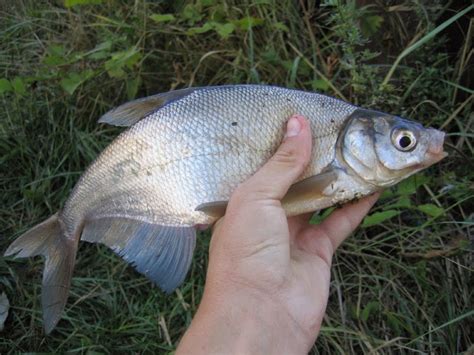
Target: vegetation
x=402, y=284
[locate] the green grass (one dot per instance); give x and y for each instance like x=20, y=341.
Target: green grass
x=402, y=284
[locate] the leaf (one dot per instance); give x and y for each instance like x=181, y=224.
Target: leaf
x=372, y=306
x=4, y=307
x=132, y=87
x=73, y=80
x=318, y=218
x=369, y=25
x=120, y=60
x=71, y=3
x=410, y=185
x=431, y=210
x=191, y=13
x=281, y=26
x=224, y=30
x=208, y=26
x=320, y=84
x=159, y=18
x=5, y=86
x=102, y=50
x=379, y=217
x=248, y=22
x=19, y=86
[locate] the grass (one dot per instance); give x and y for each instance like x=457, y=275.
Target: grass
x=401, y=284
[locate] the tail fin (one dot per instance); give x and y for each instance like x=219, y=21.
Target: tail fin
x=48, y=239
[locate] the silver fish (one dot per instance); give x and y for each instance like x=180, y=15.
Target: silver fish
x=183, y=156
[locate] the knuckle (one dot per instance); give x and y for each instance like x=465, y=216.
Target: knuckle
x=288, y=157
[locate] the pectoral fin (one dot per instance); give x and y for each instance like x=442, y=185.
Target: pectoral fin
x=132, y=112
x=309, y=189
x=213, y=209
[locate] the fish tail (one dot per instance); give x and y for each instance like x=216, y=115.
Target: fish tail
x=50, y=240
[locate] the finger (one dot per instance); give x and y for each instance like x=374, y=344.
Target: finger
x=342, y=222
x=273, y=180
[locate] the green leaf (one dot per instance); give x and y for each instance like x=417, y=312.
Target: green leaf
x=379, y=217
x=208, y=26
x=370, y=24
x=431, y=210
x=281, y=26
x=371, y=307
x=320, y=84
x=71, y=3
x=410, y=185
x=248, y=22
x=101, y=51
x=224, y=30
x=19, y=86
x=73, y=80
x=5, y=86
x=162, y=17
x=132, y=87
x=192, y=13
x=116, y=65
x=318, y=218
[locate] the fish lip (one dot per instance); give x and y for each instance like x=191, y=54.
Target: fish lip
x=435, y=151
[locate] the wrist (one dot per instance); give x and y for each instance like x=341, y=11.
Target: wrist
x=242, y=321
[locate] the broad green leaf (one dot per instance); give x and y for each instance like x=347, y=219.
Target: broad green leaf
x=379, y=217
x=73, y=80
x=224, y=30
x=410, y=185
x=431, y=210
x=19, y=86
x=71, y=3
x=191, y=13
x=248, y=22
x=5, y=86
x=162, y=17
x=320, y=85
x=102, y=50
x=120, y=60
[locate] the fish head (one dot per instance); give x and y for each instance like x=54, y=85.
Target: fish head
x=383, y=149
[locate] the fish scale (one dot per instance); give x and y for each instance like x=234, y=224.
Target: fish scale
x=185, y=153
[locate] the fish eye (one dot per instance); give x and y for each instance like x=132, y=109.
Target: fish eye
x=403, y=139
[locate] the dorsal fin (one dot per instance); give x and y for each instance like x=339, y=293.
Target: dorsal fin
x=133, y=111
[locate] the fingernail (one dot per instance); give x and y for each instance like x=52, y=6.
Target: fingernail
x=293, y=127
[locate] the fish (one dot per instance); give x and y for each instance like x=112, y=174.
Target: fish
x=183, y=154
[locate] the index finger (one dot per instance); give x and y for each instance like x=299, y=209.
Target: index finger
x=342, y=222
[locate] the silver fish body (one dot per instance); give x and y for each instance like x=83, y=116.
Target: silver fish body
x=197, y=150
x=184, y=155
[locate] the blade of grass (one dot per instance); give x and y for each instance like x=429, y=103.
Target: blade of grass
x=429, y=36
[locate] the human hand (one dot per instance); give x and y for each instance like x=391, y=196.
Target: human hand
x=268, y=277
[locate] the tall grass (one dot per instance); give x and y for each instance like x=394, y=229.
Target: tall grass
x=401, y=284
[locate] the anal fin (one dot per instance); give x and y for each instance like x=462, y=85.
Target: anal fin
x=161, y=253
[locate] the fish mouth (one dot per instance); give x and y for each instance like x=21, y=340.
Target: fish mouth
x=435, y=151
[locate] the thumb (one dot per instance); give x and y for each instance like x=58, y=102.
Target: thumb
x=274, y=179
